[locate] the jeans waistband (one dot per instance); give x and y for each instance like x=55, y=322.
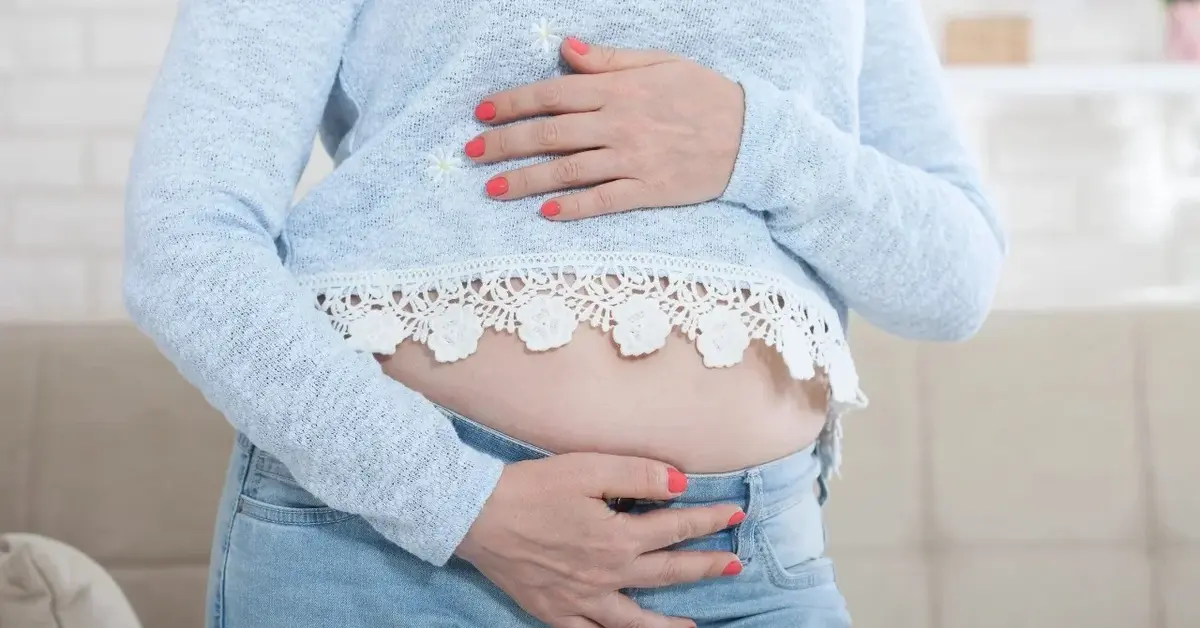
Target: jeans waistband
x=777, y=482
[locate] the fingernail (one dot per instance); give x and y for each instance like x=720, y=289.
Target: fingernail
x=475, y=148
x=737, y=518
x=550, y=209
x=497, y=186
x=732, y=569
x=676, y=481
x=486, y=110
x=579, y=47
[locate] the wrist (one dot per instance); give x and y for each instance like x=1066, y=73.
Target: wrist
x=472, y=546
x=749, y=180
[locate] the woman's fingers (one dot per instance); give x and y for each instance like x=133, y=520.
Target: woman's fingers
x=573, y=171
x=618, y=611
x=666, y=568
x=573, y=93
x=613, y=197
x=557, y=135
x=665, y=527
x=604, y=476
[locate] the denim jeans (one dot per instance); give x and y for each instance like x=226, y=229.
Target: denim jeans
x=283, y=559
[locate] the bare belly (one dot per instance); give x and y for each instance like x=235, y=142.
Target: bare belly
x=585, y=397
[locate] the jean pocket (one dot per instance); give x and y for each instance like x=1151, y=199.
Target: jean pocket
x=271, y=494
x=791, y=545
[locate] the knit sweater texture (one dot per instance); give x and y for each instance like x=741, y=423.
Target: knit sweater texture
x=851, y=190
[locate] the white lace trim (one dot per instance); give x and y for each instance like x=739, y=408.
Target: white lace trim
x=637, y=298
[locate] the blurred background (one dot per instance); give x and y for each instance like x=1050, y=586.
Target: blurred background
x=1045, y=474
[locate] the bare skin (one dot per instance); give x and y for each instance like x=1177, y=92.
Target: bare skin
x=629, y=130
x=546, y=536
x=585, y=397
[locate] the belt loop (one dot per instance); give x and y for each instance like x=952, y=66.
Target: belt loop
x=745, y=532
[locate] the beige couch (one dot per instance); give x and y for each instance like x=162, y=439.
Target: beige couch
x=105, y=447
x=1042, y=475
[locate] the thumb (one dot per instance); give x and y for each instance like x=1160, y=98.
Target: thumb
x=592, y=59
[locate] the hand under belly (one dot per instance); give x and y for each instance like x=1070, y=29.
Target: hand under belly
x=585, y=397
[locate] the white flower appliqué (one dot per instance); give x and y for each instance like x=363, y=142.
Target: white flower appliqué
x=797, y=351
x=546, y=40
x=546, y=323
x=377, y=332
x=723, y=338
x=443, y=164
x=843, y=383
x=641, y=326
x=454, y=333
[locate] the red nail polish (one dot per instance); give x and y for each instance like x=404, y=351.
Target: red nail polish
x=737, y=518
x=497, y=186
x=676, y=482
x=579, y=47
x=475, y=148
x=732, y=569
x=551, y=209
x=486, y=110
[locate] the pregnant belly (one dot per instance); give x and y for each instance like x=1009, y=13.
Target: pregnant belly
x=585, y=397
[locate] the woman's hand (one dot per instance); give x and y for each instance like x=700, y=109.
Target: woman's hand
x=547, y=537
x=637, y=128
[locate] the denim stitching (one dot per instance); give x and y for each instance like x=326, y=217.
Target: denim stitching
x=245, y=448
x=282, y=515
x=818, y=574
x=745, y=532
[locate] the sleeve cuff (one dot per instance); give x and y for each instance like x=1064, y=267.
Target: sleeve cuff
x=476, y=488
x=433, y=536
x=760, y=129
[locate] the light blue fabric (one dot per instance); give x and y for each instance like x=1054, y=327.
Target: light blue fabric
x=851, y=190
x=283, y=559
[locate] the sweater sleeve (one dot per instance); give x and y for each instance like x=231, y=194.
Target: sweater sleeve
x=895, y=220
x=228, y=130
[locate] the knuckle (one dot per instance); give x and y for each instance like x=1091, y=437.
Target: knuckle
x=503, y=142
x=548, y=96
x=684, y=529
x=627, y=548
x=670, y=572
x=604, y=200
x=520, y=183
x=632, y=621
x=568, y=171
x=593, y=577
x=653, y=476
x=608, y=55
x=546, y=133
x=624, y=90
x=656, y=185
x=631, y=160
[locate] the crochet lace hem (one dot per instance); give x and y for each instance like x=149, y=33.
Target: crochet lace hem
x=638, y=299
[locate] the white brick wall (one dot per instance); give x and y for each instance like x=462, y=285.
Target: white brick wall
x=1084, y=193
x=74, y=75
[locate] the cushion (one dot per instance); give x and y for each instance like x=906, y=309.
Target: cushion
x=48, y=584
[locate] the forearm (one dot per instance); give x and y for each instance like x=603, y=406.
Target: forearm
x=226, y=134
x=916, y=252
x=231, y=318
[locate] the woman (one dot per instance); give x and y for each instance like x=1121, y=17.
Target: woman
x=684, y=362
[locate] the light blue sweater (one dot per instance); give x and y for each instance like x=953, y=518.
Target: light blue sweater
x=851, y=190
